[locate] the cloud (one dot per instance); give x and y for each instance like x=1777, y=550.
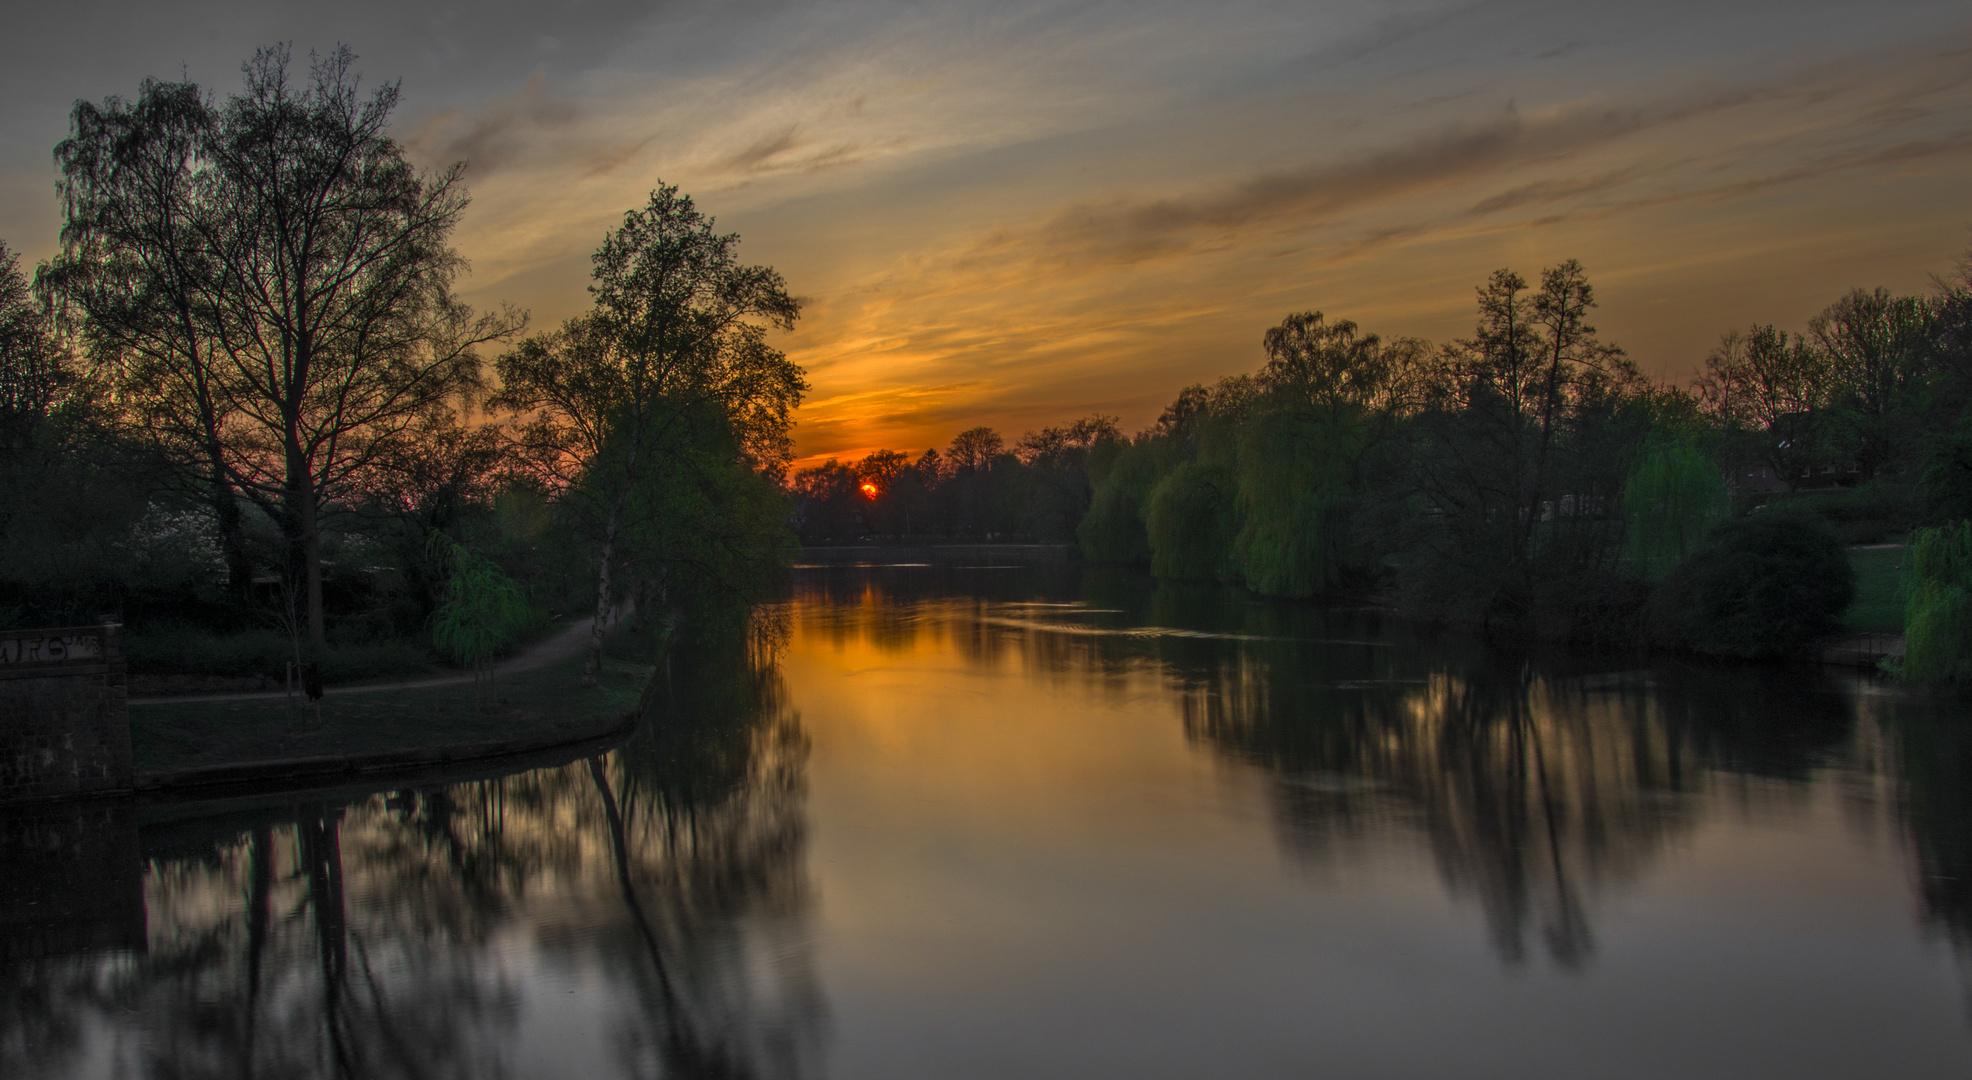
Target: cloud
x=1127, y=230
x=1794, y=113
x=497, y=133
x=1550, y=191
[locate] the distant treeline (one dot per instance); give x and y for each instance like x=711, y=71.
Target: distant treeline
x=244, y=410
x=977, y=488
x=1528, y=478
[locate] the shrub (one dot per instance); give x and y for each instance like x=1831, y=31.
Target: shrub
x=1763, y=586
x=483, y=610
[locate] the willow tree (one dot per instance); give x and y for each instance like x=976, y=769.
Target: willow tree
x=1325, y=391
x=674, y=344
x=1938, y=605
x=270, y=282
x=1672, y=497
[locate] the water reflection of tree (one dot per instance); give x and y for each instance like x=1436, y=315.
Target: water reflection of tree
x=1538, y=784
x=364, y=939
x=1934, y=751
x=722, y=800
x=42, y=1007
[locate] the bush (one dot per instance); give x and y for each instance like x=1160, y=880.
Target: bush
x=1763, y=586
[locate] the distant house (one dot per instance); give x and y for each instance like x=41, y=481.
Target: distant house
x=1792, y=455
x=1754, y=479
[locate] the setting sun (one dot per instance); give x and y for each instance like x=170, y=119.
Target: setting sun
x=869, y=490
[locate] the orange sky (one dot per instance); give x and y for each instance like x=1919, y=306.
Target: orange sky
x=1021, y=217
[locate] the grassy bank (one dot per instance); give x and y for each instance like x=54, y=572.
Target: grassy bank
x=528, y=704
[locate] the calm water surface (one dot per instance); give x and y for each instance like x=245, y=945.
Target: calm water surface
x=992, y=815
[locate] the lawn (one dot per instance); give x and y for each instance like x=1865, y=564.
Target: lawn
x=1879, y=606
x=543, y=701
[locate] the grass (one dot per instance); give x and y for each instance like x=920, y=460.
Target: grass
x=543, y=701
x=1879, y=604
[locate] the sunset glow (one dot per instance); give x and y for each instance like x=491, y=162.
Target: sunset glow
x=1021, y=218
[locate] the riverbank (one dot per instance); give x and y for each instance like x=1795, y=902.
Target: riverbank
x=533, y=702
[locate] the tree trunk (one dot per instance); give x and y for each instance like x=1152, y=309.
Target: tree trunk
x=311, y=558
x=593, y=666
x=232, y=542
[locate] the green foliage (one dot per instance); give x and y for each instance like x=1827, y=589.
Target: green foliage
x=1671, y=498
x=1938, y=613
x=1191, y=522
x=642, y=416
x=483, y=610
x=1881, y=598
x=1947, y=482
x=707, y=525
x=1763, y=586
x=1293, y=501
x=1113, y=531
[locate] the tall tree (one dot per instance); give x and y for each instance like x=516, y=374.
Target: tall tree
x=272, y=281
x=1772, y=387
x=135, y=268
x=676, y=338
x=1519, y=380
x=30, y=377
x=1878, y=349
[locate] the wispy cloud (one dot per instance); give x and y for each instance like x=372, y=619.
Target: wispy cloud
x=496, y=133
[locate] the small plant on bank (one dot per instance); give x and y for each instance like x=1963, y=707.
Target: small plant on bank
x=1938, y=612
x=482, y=612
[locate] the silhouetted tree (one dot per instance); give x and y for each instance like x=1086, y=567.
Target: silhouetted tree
x=676, y=341
x=271, y=282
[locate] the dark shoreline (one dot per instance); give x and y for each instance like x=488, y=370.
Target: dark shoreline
x=290, y=777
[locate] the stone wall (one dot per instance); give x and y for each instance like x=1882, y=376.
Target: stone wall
x=64, y=716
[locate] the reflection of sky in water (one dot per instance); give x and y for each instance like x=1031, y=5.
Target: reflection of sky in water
x=956, y=836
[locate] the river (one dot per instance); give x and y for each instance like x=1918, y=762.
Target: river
x=989, y=813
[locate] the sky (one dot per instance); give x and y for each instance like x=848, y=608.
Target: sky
x=1021, y=213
